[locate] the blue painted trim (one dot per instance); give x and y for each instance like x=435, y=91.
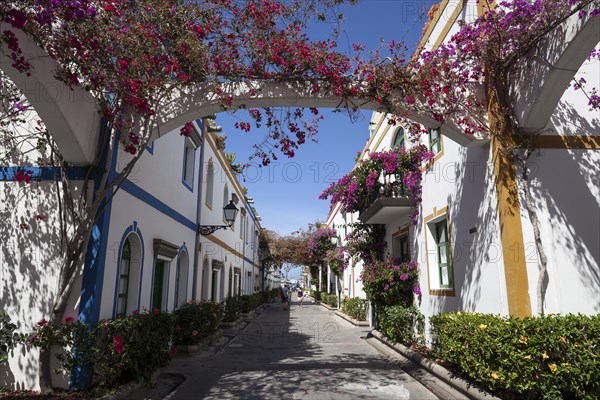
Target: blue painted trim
x=150, y=148
x=248, y=260
x=155, y=203
x=7, y=174
x=90, y=298
x=189, y=186
x=132, y=229
x=93, y=279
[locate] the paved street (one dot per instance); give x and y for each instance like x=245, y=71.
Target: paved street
x=304, y=353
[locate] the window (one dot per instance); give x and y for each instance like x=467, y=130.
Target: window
x=242, y=226
x=188, y=164
x=443, y=253
x=159, y=288
x=225, y=196
x=181, y=279
x=210, y=182
x=435, y=143
x=128, y=275
x=164, y=253
x=398, y=141
x=401, y=248
x=205, y=280
x=214, y=287
x=123, y=291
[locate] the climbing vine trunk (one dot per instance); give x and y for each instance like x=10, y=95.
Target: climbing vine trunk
x=543, y=260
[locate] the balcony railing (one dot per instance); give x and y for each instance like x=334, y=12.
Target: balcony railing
x=386, y=202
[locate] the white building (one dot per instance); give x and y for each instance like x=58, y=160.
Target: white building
x=475, y=247
x=146, y=250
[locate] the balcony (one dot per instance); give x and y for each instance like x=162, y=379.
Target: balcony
x=386, y=204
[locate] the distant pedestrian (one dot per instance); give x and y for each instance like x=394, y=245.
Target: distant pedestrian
x=285, y=297
x=300, y=297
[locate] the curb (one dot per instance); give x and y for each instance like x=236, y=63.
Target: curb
x=440, y=372
x=328, y=307
x=351, y=320
x=127, y=389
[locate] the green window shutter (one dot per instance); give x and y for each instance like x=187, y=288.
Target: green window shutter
x=157, y=289
x=443, y=254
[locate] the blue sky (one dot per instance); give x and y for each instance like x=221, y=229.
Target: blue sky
x=286, y=192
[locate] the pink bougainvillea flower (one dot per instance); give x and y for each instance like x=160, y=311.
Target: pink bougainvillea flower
x=118, y=346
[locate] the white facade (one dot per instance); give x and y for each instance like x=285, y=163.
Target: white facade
x=146, y=250
x=460, y=192
x=229, y=258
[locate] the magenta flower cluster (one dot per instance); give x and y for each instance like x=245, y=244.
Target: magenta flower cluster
x=373, y=176
x=390, y=282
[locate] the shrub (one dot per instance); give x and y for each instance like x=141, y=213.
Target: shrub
x=232, y=308
x=401, y=324
x=195, y=321
x=73, y=336
x=549, y=356
x=120, y=350
x=7, y=336
x=315, y=294
x=356, y=308
x=248, y=303
x=330, y=299
x=133, y=347
x=390, y=282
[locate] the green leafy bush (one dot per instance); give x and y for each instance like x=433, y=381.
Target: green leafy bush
x=315, y=294
x=7, y=336
x=195, y=321
x=132, y=347
x=552, y=357
x=401, y=324
x=249, y=302
x=330, y=299
x=120, y=350
x=356, y=308
x=73, y=336
x=232, y=308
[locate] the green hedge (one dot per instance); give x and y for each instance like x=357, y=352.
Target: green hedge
x=356, y=308
x=549, y=357
x=315, y=294
x=249, y=302
x=330, y=299
x=195, y=321
x=132, y=347
x=232, y=309
x=403, y=325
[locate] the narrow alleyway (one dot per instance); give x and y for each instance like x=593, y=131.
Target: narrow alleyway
x=304, y=353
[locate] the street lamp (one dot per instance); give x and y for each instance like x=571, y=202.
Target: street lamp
x=229, y=213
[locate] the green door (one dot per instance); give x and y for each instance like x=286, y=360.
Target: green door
x=157, y=289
